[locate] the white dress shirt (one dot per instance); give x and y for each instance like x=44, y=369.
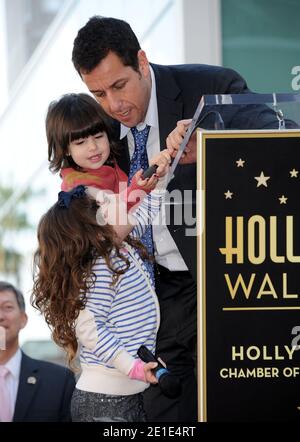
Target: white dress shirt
x=165, y=249
x=14, y=367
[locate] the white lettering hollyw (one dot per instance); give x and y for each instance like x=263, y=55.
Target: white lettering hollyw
x=296, y=80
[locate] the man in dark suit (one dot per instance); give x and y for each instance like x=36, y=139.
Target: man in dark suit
x=135, y=93
x=31, y=390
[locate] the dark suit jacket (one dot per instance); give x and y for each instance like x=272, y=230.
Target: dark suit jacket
x=44, y=393
x=179, y=89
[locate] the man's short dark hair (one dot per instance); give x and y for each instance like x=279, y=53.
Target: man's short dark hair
x=18, y=294
x=98, y=37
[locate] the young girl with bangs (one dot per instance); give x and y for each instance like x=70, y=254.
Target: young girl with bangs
x=82, y=147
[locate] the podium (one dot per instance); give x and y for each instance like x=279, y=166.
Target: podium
x=248, y=270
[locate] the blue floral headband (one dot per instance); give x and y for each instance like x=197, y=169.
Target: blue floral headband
x=65, y=198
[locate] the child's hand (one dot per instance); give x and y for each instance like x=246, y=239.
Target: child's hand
x=149, y=375
x=112, y=209
x=174, y=139
x=147, y=184
x=162, y=160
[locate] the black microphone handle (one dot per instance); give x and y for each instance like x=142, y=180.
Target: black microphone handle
x=145, y=355
x=149, y=172
x=169, y=384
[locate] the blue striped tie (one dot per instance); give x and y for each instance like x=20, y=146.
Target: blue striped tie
x=139, y=161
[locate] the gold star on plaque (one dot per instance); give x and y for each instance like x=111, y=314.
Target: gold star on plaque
x=262, y=180
x=240, y=163
x=283, y=199
x=294, y=173
x=228, y=195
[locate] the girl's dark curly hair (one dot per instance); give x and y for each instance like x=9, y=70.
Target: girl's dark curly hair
x=71, y=117
x=69, y=243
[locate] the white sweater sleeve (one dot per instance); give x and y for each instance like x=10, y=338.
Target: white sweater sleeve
x=147, y=211
x=92, y=332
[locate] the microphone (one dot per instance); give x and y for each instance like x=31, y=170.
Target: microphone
x=169, y=383
x=149, y=172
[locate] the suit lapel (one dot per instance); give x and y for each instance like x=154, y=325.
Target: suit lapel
x=123, y=158
x=28, y=386
x=122, y=154
x=169, y=104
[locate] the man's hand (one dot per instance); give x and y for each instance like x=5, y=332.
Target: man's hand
x=162, y=160
x=149, y=375
x=174, y=139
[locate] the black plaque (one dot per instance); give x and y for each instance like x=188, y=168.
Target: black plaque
x=249, y=276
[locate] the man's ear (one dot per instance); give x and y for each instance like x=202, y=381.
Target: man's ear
x=24, y=320
x=144, y=66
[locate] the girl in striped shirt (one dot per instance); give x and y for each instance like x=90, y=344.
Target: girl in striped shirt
x=93, y=287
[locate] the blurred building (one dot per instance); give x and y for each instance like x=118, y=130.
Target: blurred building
x=45, y=350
